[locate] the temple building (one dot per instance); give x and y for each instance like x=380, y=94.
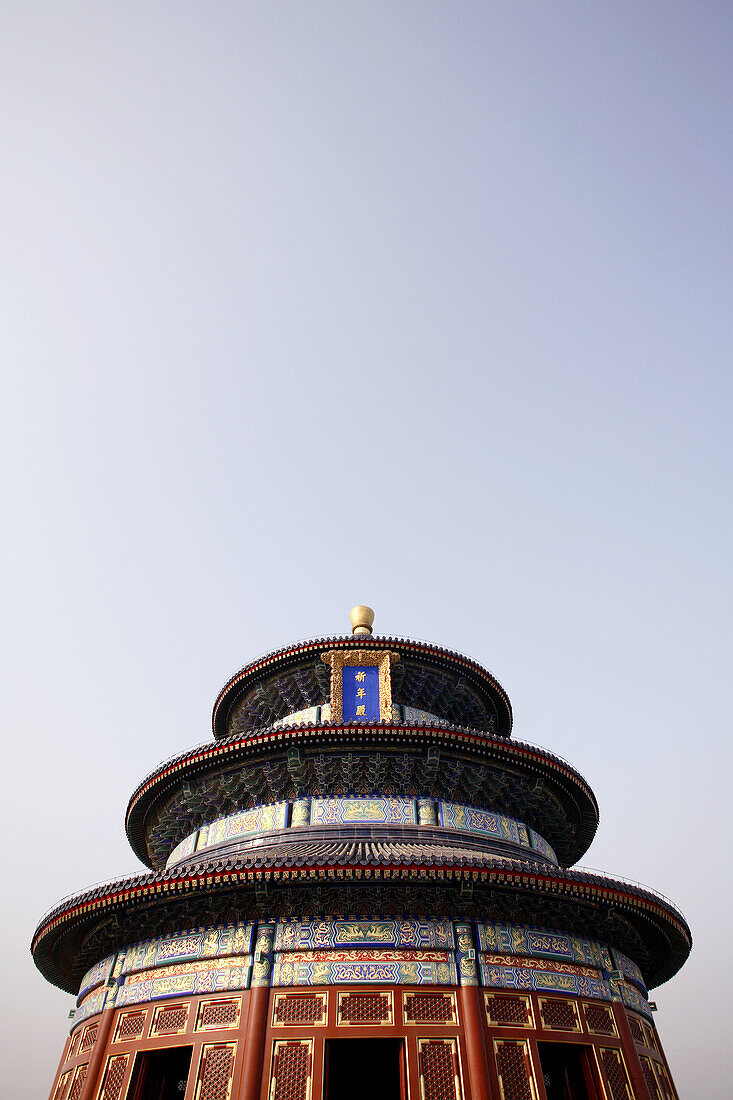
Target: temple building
x=362, y=887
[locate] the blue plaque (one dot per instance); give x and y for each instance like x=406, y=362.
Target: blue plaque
x=360, y=693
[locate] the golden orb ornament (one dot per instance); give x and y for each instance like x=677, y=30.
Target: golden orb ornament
x=362, y=619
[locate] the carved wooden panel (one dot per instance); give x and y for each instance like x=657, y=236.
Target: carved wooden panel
x=296, y=1009
x=114, y=1077
x=429, y=1008
x=505, y=1010
x=292, y=1068
x=437, y=1061
x=365, y=1008
x=218, y=1014
x=514, y=1067
x=216, y=1070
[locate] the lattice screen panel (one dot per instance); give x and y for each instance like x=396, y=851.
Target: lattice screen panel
x=292, y=1068
x=514, y=1067
x=437, y=1061
x=62, y=1085
x=429, y=1008
x=87, y=1039
x=650, y=1036
x=599, y=1019
x=508, y=1011
x=637, y=1031
x=218, y=1014
x=170, y=1021
x=114, y=1076
x=665, y=1085
x=216, y=1070
x=74, y=1048
x=618, y=1085
x=365, y=1008
x=559, y=1014
x=130, y=1025
x=292, y=1009
x=650, y=1077
x=78, y=1083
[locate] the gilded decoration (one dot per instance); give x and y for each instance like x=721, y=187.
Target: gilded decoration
x=382, y=659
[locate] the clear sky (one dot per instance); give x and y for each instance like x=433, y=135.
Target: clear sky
x=422, y=305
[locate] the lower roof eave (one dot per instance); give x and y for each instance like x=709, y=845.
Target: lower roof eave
x=58, y=938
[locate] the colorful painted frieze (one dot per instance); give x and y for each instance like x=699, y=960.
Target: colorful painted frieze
x=398, y=968
x=526, y=978
x=201, y=943
x=633, y=999
x=181, y=851
x=258, y=819
x=206, y=976
x=517, y=939
x=98, y=975
x=309, y=935
x=90, y=1005
x=540, y=845
x=629, y=969
x=471, y=820
x=378, y=811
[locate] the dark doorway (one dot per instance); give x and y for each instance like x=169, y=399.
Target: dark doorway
x=362, y=1069
x=160, y=1074
x=566, y=1072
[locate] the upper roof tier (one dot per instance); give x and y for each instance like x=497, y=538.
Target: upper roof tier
x=427, y=678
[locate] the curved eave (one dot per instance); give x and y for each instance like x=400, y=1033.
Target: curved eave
x=71, y=921
x=207, y=758
x=283, y=658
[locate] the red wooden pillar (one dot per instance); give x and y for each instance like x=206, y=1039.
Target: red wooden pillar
x=638, y=1080
x=259, y=1002
x=473, y=1014
x=96, y=1061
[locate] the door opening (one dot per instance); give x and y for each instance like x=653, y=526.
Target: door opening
x=362, y=1069
x=160, y=1074
x=566, y=1071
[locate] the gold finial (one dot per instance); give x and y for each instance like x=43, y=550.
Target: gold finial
x=362, y=619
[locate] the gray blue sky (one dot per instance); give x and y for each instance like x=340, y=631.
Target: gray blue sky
x=423, y=305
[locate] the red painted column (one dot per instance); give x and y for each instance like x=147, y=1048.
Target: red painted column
x=638, y=1080
x=96, y=1061
x=473, y=1014
x=259, y=1001
x=478, y=1068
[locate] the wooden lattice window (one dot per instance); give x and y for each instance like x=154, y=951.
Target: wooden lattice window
x=292, y=1062
x=62, y=1085
x=651, y=1037
x=364, y=1008
x=171, y=1020
x=87, y=1039
x=292, y=1009
x=599, y=1019
x=429, y=1008
x=114, y=1076
x=216, y=1068
x=559, y=1014
x=665, y=1085
x=508, y=1011
x=218, y=1014
x=618, y=1085
x=130, y=1025
x=437, y=1061
x=78, y=1083
x=514, y=1067
x=650, y=1077
x=74, y=1048
x=637, y=1031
